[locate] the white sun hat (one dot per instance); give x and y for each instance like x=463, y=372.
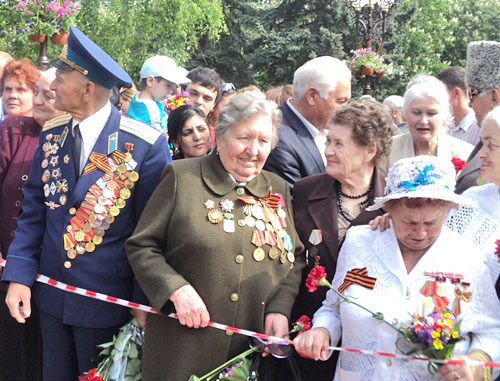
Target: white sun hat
x=421, y=177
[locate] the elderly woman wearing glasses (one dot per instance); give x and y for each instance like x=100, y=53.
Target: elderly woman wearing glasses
x=427, y=110
x=417, y=268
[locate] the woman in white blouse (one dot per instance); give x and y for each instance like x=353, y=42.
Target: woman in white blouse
x=402, y=259
x=482, y=225
x=427, y=110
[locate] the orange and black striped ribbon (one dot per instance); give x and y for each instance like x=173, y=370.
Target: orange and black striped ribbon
x=97, y=160
x=118, y=156
x=357, y=276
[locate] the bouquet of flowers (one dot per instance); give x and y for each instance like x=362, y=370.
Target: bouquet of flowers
x=434, y=335
x=120, y=359
x=367, y=62
x=174, y=101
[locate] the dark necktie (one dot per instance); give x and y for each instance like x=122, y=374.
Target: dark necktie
x=77, y=149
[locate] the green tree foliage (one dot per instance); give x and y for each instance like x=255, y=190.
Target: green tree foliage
x=268, y=40
x=131, y=31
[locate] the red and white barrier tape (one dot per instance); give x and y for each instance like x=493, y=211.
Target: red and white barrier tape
x=125, y=303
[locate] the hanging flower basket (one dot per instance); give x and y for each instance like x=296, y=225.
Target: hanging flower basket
x=366, y=62
x=366, y=70
x=59, y=38
x=37, y=37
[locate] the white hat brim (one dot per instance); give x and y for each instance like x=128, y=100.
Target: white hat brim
x=445, y=196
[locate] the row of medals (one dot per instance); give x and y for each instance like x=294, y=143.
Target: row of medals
x=254, y=217
x=112, y=191
x=52, y=171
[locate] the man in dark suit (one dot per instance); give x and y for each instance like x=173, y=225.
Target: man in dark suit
x=482, y=75
x=92, y=174
x=319, y=86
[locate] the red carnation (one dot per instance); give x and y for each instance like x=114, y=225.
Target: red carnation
x=91, y=375
x=458, y=163
x=314, y=278
x=497, y=252
x=303, y=323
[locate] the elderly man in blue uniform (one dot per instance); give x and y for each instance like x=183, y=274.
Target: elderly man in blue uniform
x=90, y=179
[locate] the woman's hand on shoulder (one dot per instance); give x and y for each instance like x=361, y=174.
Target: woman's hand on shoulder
x=311, y=344
x=381, y=222
x=189, y=307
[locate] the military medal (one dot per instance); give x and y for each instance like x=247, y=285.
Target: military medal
x=226, y=205
x=71, y=253
x=62, y=186
x=258, y=240
x=315, y=239
x=215, y=216
x=209, y=204
x=63, y=199
x=290, y=256
x=46, y=190
x=54, y=161
x=128, y=156
x=260, y=225
x=249, y=221
x=134, y=176
x=274, y=253
x=45, y=163
x=125, y=193
x=66, y=159
x=283, y=257
x=52, y=205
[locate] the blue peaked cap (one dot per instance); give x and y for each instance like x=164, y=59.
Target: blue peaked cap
x=83, y=55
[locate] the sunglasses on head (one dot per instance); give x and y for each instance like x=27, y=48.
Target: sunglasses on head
x=473, y=92
x=279, y=350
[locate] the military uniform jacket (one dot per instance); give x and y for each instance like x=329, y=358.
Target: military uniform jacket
x=175, y=244
x=74, y=229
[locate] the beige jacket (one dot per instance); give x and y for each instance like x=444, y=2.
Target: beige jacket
x=448, y=148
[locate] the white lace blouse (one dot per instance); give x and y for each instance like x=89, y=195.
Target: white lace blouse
x=397, y=294
x=481, y=225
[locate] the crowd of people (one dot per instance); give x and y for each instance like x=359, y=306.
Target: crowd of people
x=217, y=204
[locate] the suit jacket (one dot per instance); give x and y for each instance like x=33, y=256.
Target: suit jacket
x=56, y=218
x=175, y=244
x=469, y=175
x=315, y=207
x=448, y=148
x=296, y=154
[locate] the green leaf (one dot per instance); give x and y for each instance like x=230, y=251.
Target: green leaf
x=133, y=353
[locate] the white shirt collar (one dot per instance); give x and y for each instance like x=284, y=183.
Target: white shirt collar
x=310, y=127
x=90, y=128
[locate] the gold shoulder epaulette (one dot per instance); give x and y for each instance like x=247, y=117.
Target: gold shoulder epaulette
x=141, y=130
x=57, y=121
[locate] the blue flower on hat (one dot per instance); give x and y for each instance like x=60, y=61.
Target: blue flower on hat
x=423, y=178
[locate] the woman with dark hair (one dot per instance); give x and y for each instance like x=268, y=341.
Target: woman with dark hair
x=188, y=132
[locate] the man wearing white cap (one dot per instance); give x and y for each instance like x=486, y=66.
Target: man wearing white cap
x=482, y=76
x=159, y=77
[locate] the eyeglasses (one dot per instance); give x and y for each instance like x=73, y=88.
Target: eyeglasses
x=228, y=87
x=473, y=92
x=279, y=350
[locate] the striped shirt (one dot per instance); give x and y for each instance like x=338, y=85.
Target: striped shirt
x=467, y=129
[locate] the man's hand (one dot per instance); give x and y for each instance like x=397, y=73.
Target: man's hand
x=19, y=301
x=275, y=325
x=189, y=307
x=140, y=316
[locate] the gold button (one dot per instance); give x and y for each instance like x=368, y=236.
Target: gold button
x=389, y=362
x=67, y=264
x=239, y=259
x=240, y=191
x=229, y=333
x=234, y=297
x=241, y=223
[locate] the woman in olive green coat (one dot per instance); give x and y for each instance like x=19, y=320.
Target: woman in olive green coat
x=217, y=242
